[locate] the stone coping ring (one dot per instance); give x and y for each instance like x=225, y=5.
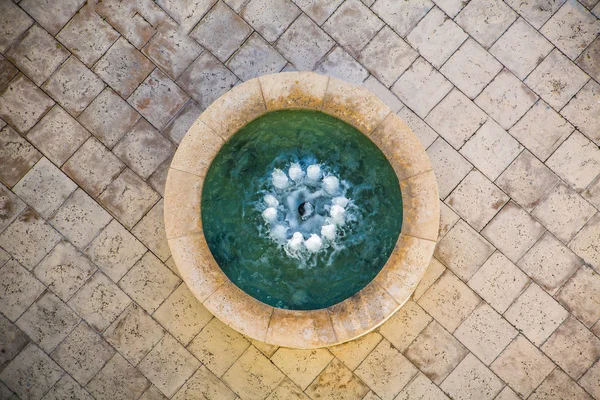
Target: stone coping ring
x=358, y=314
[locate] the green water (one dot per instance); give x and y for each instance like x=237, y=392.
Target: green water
x=237, y=235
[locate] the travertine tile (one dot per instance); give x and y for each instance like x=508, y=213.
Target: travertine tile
x=451, y=7
x=99, y=302
x=171, y=50
x=67, y=388
x=471, y=68
x=218, y=346
x=301, y=366
x=577, y=161
x=267, y=349
x=203, y=384
x=12, y=341
x=31, y=373
x=118, y=380
x=22, y=104
x=108, y=117
x=506, y=99
x=340, y=64
x=288, y=390
x=592, y=193
x=589, y=60
x=584, y=109
x=522, y=366
x=270, y=19
x=73, y=86
x=536, y=314
x=536, y=12
x=186, y=14
x=50, y=14
x=319, y=10
x=589, y=381
x=499, y=282
x=13, y=23
x=436, y=37
x=384, y=94
x=549, y=263
x=353, y=25
x=17, y=156
x=485, y=21
x=433, y=272
x=353, y=353
x=404, y=326
x=256, y=57
x=556, y=79
x=402, y=16
x=421, y=87
x=559, y=386
x=585, y=244
x=424, y=133
x=151, y=231
x=573, y=348
x=571, y=28
x=83, y=353
x=253, y=375
x=58, y=135
x=123, y=67
x=18, y=289
x=386, y=370
x=472, y=379
x=64, y=270
x=581, y=295
x=29, y=238
x=508, y=394
x=7, y=72
x=521, y=48
x=179, y=126
x=152, y=393
x=463, y=250
x=337, y=381
x=449, y=301
x=304, y=43
x=420, y=388
x=158, y=179
x=134, y=333
x=436, y=352
x=37, y=54
x=563, y=212
x=387, y=56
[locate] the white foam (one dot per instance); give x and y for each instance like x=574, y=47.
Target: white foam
x=296, y=242
x=328, y=231
x=279, y=233
x=331, y=184
x=270, y=214
x=337, y=214
x=313, y=172
x=280, y=179
x=313, y=243
x=271, y=200
x=296, y=172
x=341, y=201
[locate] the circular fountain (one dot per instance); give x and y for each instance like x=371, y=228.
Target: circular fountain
x=300, y=210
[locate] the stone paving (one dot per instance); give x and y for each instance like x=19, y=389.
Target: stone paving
x=95, y=97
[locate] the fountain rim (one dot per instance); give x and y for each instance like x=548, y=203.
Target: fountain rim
x=378, y=300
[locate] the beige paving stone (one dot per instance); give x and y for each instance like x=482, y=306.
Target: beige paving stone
x=179, y=126
x=108, y=117
x=589, y=381
x=22, y=104
x=118, y=380
x=592, y=193
x=256, y=57
x=588, y=60
x=506, y=99
x=7, y=72
x=12, y=341
x=352, y=25
x=527, y=180
x=499, y=282
x=115, y=250
x=253, y=376
x=563, y=212
x=421, y=388
x=476, y=199
x=337, y=381
x=29, y=238
x=45, y=188
x=158, y=179
x=463, y=250
x=354, y=352
x=386, y=370
x=58, y=135
x=450, y=7
x=521, y=48
x=186, y=15
x=123, y=67
x=456, y=118
x=471, y=68
x=421, y=87
x=204, y=385
x=218, y=346
x=485, y=21
x=508, y=394
x=99, y=302
x=151, y=231
x=87, y=35
x=436, y=352
x=301, y=366
x=557, y=79
x=536, y=314
x=13, y=23
x=513, y=231
x=304, y=43
x=318, y=10
x=182, y=314
x=405, y=325
x=571, y=29
x=73, y=86
x=152, y=393
x=51, y=15
x=287, y=390
x=549, y=263
x=31, y=373
x=270, y=19
x=134, y=333
x=340, y=64
x=559, y=386
x=402, y=17
x=424, y=133
x=485, y=333
x=536, y=12
x=387, y=56
x=581, y=295
x=383, y=93
x=18, y=289
x=67, y=388
x=583, y=111
x=73, y=354
x=37, y=54
x=449, y=166
x=433, y=272
x=573, y=348
x=577, y=161
x=471, y=379
x=17, y=156
x=522, y=366
x=128, y=198
x=267, y=349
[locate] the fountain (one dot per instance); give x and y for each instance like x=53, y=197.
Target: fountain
x=300, y=210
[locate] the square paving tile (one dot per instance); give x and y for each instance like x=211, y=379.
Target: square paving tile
x=590, y=379
x=73, y=354
x=52, y=15
x=402, y=327
x=179, y=126
x=301, y=366
x=485, y=20
x=559, y=386
x=17, y=153
x=45, y=188
x=64, y=270
x=22, y=104
x=7, y=72
x=433, y=272
x=384, y=94
x=58, y=135
x=581, y=296
x=12, y=341
x=151, y=231
x=436, y=37
x=471, y=68
x=536, y=12
x=424, y=132
x=589, y=60
x=67, y=388
x=472, y=379
x=584, y=111
x=270, y=18
x=13, y=23
x=118, y=380
x=419, y=388
x=353, y=353
x=10, y=207
x=203, y=384
x=337, y=381
x=186, y=14
x=585, y=244
x=256, y=57
x=549, y=263
x=319, y=10
x=289, y=390
x=402, y=16
x=18, y=289
x=577, y=161
x=340, y=64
